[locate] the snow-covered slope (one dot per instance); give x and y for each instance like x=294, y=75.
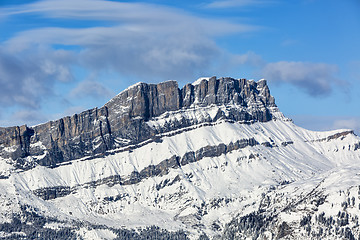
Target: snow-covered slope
x=222, y=178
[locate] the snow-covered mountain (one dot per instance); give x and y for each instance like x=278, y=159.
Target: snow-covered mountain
x=213, y=160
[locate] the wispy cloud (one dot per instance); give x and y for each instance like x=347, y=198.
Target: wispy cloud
x=249, y=58
x=30, y=117
x=26, y=79
x=138, y=39
x=89, y=88
x=289, y=42
x=324, y=123
x=238, y=3
x=351, y=123
x=145, y=41
x=141, y=40
x=140, y=17
x=317, y=79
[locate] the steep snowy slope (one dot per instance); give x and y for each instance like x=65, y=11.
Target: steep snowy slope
x=226, y=168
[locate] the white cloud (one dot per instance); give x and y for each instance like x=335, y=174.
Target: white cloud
x=142, y=40
x=350, y=123
x=134, y=17
x=67, y=112
x=30, y=117
x=289, y=42
x=237, y=3
x=325, y=123
x=249, y=58
x=316, y=79
x=139, y=39
x=26, y=79
x=92, y=89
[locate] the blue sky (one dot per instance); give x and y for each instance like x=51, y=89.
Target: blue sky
x=58, y=57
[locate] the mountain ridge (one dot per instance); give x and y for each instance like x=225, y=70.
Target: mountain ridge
x=125, y=116
x=221, y=163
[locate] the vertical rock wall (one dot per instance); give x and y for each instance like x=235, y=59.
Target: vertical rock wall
x=124, y=118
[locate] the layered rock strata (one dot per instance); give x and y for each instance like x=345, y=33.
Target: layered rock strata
x=160, y=169
x=125, y=120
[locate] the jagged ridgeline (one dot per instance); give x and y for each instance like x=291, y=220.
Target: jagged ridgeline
x=126, y=119
x=215, y=159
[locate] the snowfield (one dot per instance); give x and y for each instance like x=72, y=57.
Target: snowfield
x=288, y=167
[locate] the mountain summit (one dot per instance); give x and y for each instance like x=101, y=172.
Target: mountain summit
x=124, y=120
x=215, y=159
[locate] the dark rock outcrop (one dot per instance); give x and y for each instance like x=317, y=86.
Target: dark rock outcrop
x=357, y=146
x=18, y=138
x=52, y=192
x=160, y=169
x=123, y=120
x=340, y=135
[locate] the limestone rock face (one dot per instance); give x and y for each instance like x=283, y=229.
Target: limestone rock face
x=18, y=139
x=125, y=119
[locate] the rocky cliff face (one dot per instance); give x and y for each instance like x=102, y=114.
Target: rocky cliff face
x=125, y=120
x=212, y=160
